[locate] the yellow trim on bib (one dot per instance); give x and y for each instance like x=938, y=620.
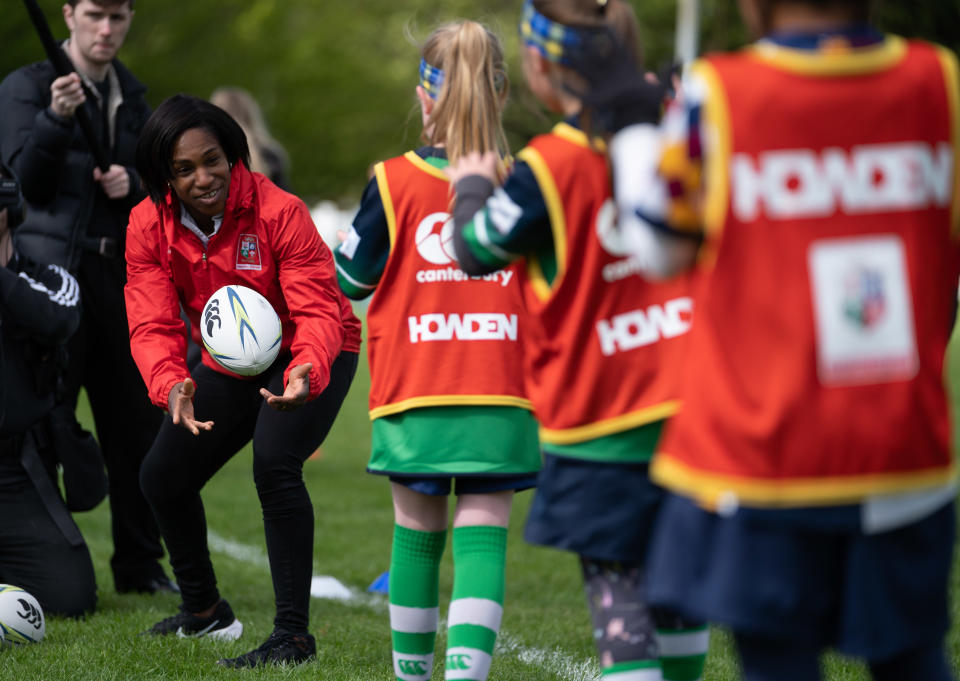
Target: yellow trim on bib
x=840, y=62
x=425, y=167
x=951, y=77
x=381, y=173
x=451, y=401
x=716, y=116
x=617, y=424
x=558, y=223
x=579, y=137
x=713, y=490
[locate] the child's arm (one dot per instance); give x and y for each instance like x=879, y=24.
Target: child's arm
x=493, y=226
x=362, y=255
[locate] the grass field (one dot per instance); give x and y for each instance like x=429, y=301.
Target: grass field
x=545, y=634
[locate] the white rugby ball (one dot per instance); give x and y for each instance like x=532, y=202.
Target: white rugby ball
x=21, y=617
x=240, y=330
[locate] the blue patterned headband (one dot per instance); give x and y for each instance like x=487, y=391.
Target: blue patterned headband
x=430, y=79
x=553, y=40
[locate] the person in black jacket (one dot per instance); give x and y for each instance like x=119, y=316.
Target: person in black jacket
x=41, y=549
x=77, y=219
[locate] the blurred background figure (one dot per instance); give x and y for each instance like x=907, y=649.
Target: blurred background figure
x=267, y=155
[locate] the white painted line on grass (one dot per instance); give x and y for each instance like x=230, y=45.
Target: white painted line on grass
x=330, y=587
x=242, y=552
x=566, y=667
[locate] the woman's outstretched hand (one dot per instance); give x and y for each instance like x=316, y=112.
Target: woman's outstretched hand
x=180, y=403
x=296, y=392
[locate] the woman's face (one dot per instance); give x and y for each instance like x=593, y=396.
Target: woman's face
x=201, y=174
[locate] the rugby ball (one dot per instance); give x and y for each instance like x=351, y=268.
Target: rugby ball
x=21, y=617
x=240, y=330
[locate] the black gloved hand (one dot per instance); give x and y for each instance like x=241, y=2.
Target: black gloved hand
x=615, y=89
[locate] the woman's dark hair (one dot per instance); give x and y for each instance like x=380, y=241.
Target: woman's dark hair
x=172, y=118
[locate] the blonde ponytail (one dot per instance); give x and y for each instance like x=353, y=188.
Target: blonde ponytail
x=466, y=116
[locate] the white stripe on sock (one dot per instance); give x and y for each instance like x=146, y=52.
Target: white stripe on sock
x=413, y=620
x=480, y=611
x=683, y=644
x=405, y=666
x=467, y=663
x=648, y=674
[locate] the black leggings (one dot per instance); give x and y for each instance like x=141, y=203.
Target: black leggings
x=179, y=464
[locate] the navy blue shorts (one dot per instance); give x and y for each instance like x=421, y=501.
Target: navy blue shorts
x=603, y=511
x=873, y=596
x=440, y=485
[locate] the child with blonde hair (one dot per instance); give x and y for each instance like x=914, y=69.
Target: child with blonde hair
x=447, y=397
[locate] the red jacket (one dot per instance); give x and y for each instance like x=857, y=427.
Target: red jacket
x=267, y=242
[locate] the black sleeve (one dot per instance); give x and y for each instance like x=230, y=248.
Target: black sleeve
x=362, y=258
x=41, y=302
x=33, y=140
x=472, y=193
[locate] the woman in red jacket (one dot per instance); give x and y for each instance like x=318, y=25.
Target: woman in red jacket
x=209, y=222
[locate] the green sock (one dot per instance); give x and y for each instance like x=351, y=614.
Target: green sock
x=479, y=573
x=414, y=600
x=683, y=652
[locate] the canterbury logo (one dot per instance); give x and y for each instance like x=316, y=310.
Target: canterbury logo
x=434, y=238
x=872, y=178
x=458, y=661
x=412, y=667
x=31, y=615
x=211, y=315
x=607, y=232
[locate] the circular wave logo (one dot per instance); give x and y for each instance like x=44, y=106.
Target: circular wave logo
x=434, y=238
x=607, y=232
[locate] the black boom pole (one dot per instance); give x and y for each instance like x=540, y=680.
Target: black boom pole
x=63, y=67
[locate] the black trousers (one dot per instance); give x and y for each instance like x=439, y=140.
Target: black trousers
x=179, y=465
x=35, y=556
x=125, y=420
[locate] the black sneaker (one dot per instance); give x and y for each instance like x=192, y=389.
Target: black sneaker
x=282, y=647
x=222, y=624
x=161, y=584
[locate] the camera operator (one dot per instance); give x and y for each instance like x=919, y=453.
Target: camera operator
x=41, y=548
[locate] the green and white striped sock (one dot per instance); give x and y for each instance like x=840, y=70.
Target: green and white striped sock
x=683, y=652
x=414, y=600
x=632, y=670
x=479, y=573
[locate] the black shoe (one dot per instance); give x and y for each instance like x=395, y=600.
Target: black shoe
x=222, y=624
x=281, y=647
x=150, y=586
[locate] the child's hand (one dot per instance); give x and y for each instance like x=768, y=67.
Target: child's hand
x=475, y=163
